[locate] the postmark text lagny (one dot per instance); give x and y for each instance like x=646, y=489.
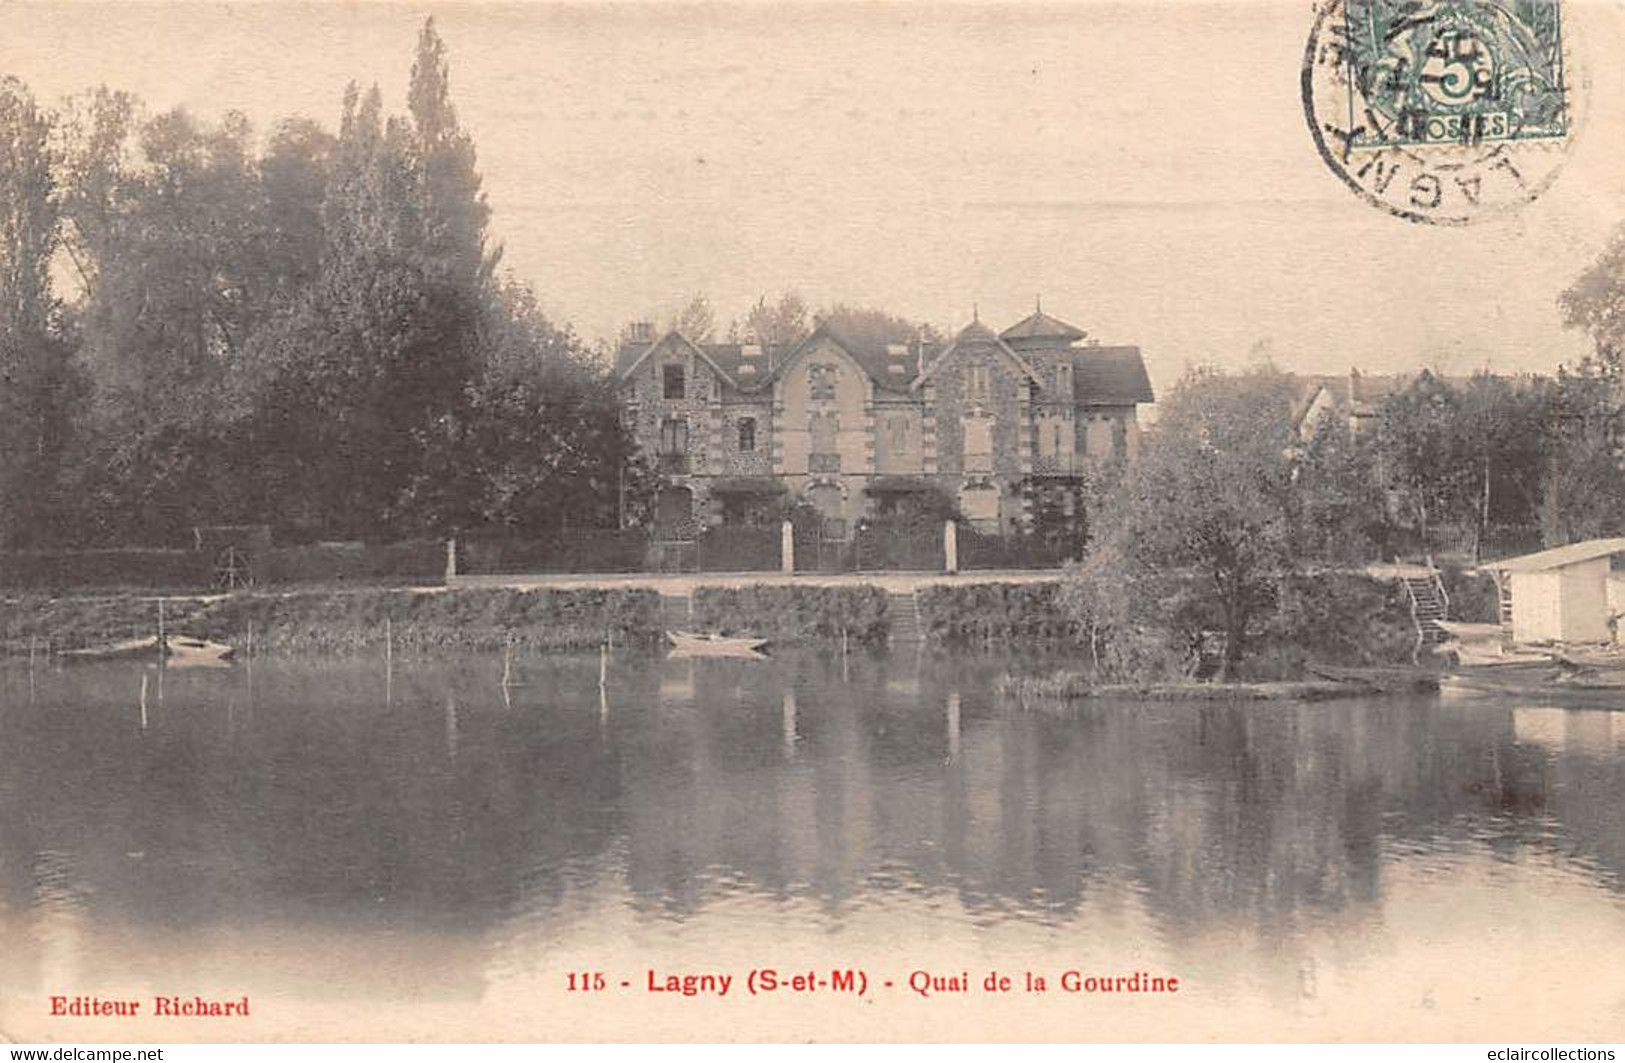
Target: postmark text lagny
x=1440, y=112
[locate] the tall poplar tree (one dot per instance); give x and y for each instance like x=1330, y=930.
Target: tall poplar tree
x=33, y=355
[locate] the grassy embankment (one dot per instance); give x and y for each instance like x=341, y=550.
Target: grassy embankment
x=418, y=621
x=344, y=622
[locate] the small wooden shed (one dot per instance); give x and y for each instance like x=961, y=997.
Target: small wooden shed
x=1566, y=594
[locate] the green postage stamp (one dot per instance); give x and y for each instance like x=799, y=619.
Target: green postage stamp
x=1440, y=111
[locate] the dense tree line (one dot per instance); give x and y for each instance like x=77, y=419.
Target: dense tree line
x=1233, y=495
x=308, y=331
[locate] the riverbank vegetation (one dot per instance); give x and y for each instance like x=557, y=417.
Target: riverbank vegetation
x=421, y=621
x=346, y=622
x=1235, y=546
x=775, y=611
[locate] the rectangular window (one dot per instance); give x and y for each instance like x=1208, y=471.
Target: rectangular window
x=976, y=383
x=747, y=434
x=674, y=436
x=821, y=382
x=674, y=383
x=899, y=435
x=1063, y=379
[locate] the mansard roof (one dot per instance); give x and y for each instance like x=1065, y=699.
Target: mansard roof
x=1040, y=326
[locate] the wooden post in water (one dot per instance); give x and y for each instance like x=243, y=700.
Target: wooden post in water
x=389, y=663
x=603, y=665
x=787, y=724
x=143, y=701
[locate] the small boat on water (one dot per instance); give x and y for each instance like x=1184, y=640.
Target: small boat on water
x=1545, y=685
x=179, y=651
x=188, y=652
x=1484, y=664
x=705, y=644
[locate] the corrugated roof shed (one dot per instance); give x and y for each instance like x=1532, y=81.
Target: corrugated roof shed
x=1558, y=557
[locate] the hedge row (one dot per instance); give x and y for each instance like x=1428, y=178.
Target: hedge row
x=352, y=621
x=791, y=612
x=136, y=569
x=418, y=562
x=1000, y=611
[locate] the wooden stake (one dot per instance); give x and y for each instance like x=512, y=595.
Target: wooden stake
x=389, y=663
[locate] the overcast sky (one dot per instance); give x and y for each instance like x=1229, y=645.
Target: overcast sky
x=1145, y=166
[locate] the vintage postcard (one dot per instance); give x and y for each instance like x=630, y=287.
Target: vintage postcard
x=781, y=521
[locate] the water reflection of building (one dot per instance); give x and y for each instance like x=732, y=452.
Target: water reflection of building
x=319, y=804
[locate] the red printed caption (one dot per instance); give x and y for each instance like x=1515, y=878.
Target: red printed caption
x=855, y=981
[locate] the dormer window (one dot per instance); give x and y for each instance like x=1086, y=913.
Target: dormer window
x=674, y=384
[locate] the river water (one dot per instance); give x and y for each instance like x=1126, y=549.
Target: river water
x=419, y=853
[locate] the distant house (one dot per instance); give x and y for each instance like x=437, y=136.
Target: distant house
x=1566, y=594
x=998, y=422
x=1355, y=397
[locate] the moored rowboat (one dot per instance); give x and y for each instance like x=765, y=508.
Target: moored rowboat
x=689, y=643
x=179, y=651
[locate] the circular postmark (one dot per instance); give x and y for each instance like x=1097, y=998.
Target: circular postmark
x=1439, y=111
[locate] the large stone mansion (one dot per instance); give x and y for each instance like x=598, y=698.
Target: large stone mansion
x=996, y=421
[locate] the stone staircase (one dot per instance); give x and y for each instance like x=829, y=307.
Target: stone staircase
x=903, y=618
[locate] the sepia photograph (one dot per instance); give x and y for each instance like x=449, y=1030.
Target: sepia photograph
x=782, y=521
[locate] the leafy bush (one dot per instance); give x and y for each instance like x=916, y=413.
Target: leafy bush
x=1473, y=598
x=417, y=621
x=998, y=611
x=420, y=561
x=57, y=572
x=792, y=612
